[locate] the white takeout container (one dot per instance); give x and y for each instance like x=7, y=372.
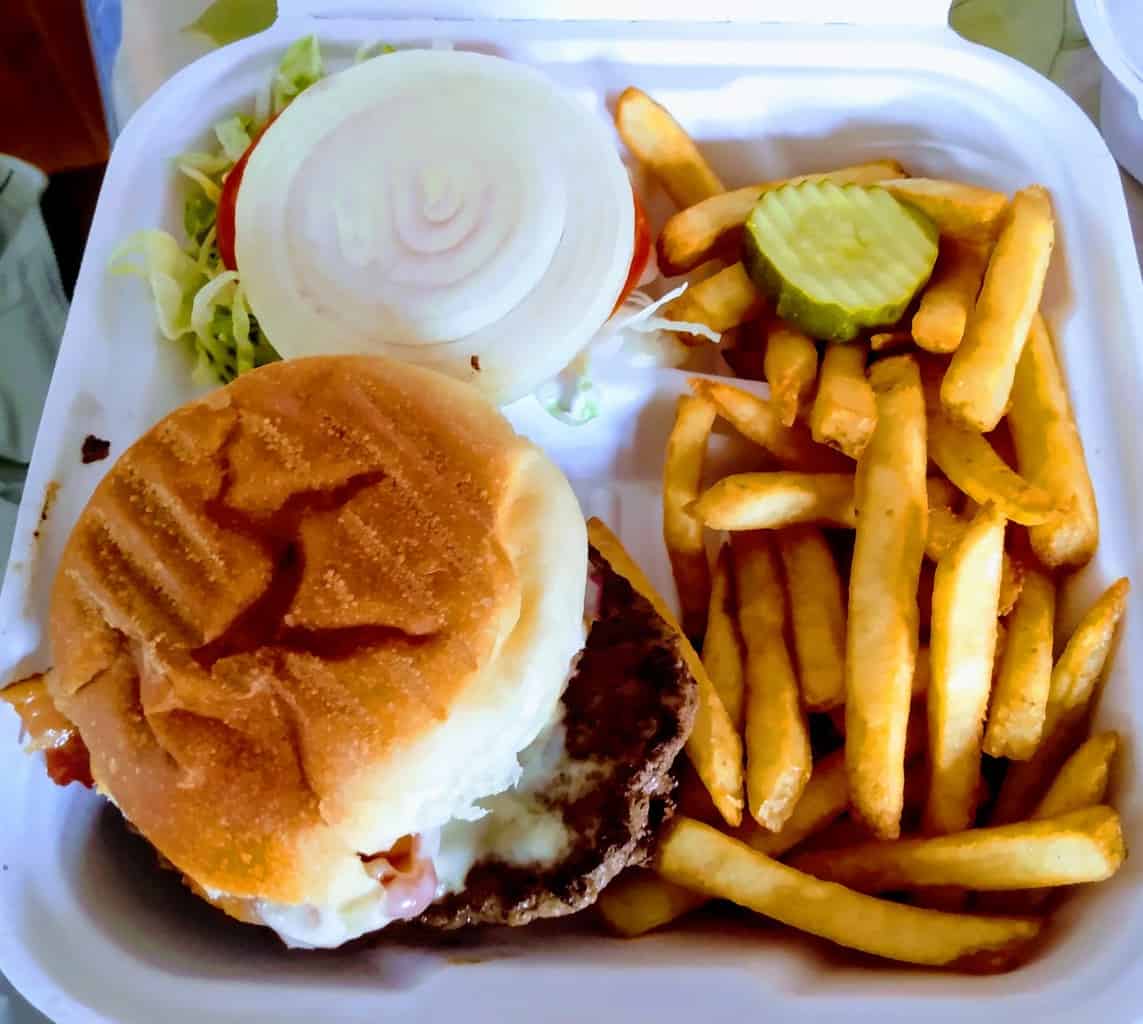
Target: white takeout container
x=1115, y=30
x=89, y=931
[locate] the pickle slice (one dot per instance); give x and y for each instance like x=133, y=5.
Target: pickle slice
x=837, y=259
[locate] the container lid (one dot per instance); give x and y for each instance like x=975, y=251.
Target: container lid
x=809, y=12
x=1115, y=29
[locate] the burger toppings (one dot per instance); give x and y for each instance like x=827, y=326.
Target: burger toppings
x=45, y=728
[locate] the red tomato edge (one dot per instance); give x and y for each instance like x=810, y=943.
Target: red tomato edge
x=640, y=253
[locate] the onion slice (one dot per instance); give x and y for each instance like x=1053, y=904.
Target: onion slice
x=446, y=208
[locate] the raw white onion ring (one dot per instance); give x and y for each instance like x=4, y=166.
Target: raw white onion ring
x=437, y=206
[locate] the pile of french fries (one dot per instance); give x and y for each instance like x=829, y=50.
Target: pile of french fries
x=895, y=571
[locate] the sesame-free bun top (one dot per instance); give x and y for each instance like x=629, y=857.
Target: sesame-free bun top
x=315, y=611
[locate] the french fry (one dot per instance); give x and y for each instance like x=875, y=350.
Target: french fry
x=695, y=234
x=884, y=341
x=959, y=210
x=817, y=615
x=714, y=747
x=791, y=365
x=767, y=501
x=756, y=419
x=938, y=324
x=697, y=856
x=978, y=382
x=723, y=301
x=1050, y=454
x=638, y=901
x=943, y=494
x=659, y=143
x=1082, y=846
x=970, y=462
x=1082, y=781
x=1020, y=697
x=844, y=412
x=822, y=801
x=962, y=648
x=682, y=533
x=778, y=758
x=946, y=528
x=1074, y=679
x=723, y=654
x=881, y=641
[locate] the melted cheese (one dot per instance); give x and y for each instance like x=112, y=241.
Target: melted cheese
x=523, y=826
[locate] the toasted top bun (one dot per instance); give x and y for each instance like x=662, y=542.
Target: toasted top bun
x=317, y=610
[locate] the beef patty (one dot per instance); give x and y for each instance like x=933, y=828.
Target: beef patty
x=628, y=710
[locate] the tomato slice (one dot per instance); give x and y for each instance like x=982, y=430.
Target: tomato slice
x=228, y=204
x=640, y=253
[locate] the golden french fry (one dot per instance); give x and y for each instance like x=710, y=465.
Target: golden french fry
x=1082, y=846
x=723, y=654
x=714, y=747
x=881, y=641
x=946, y=528
x=778, y=758
x=1050, y=454
x=1020, y=698
x=723, y=301
x=1012, y=576
x=682, y=533
x=1082, y=781
x=822, y=801
x=883, y=341
x=943, y=493
x=698, y=232
x=938, y=324
x=844, y=412
x=817, y=615
x=756, y=419
x=639, y=901
x=959, y=210
x=791, y=365
x=962, y=647
x=664, y=148
x=978, y=382
x=697, y=856
x=1074, y=679
x=970, y=462
x=767, y=501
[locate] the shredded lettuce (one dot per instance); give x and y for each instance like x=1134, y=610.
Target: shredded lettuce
x=370, y=50
x=632, y=338
x=173, y=276
x=301, y=66
x=198, y=301
x=233, y=135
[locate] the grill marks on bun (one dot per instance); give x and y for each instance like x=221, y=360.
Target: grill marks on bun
x=272, y=592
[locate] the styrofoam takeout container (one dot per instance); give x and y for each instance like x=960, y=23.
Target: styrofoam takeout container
x=1115, y=29
x=89, y=931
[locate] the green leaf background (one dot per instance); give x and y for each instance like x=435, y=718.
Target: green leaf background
x=1035, y=32
x=225, y=21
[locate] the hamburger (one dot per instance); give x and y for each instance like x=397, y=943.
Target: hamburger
x=333, y=641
